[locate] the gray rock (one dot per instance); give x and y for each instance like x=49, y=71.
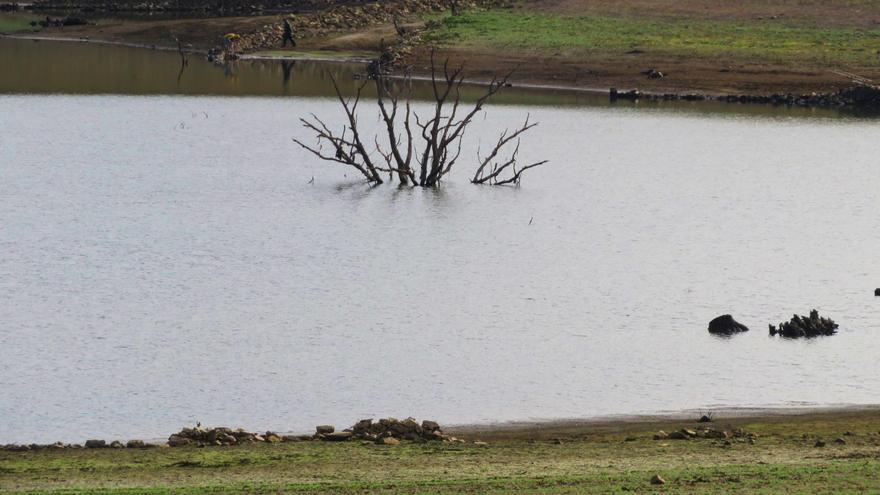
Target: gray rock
x=178, y=441
x=96, y=444
x=339, y=436
x=324, y=429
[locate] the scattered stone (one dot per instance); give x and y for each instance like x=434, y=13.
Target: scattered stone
x=717, y=434
x=339, y=436
x=480, y=444
x=631, y=95
x=96, y=444
x=705, y=419
x=178, y=441
x=389, y=441
x=136, y=444
x=324, y=429
x=840, y=441
x=819, y=444
x=116, y=444
x=805, y=326
x=661, y=435
x=679, y=435
x=654, y=74
x=657, y=480
x=15, y=448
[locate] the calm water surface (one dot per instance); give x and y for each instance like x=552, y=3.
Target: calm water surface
x=165, y=260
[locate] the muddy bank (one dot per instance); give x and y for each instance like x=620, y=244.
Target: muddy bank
x=368, y=28
x=391, y=431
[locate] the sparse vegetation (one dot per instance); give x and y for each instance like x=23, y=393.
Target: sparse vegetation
x=569, y=34
x=550, y=460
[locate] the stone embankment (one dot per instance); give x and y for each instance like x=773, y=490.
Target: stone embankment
x=387, y=431
x=856, y=97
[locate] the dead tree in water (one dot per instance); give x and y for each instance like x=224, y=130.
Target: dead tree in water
x=419, y=162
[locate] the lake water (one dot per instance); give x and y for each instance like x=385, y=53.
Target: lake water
x=167, y=259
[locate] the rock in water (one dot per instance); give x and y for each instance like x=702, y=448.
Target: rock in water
x=877, y=292
x=805, y=326
x=726, y=325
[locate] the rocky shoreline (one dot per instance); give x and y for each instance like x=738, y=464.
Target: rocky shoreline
x=386, y=431
x=864, y=97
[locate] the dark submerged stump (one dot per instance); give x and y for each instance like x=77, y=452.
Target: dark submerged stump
x=805, y=326
x=726, y=325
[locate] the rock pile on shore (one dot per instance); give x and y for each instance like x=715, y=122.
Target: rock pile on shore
x=706, y=432
x=387, y=431
x=408, y=429
x=805, y=326
x=340, y=18
x=219, y=436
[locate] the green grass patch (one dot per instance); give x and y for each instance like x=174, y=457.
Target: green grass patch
x=14, y=23
x=567, y=34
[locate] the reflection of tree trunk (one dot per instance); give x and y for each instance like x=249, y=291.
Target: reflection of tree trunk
x=286, y=67
x=441, y=133
x=184, y=61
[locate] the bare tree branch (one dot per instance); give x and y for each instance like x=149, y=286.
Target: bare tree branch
x=441, y=134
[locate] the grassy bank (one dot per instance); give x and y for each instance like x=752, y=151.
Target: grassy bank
x=568, y=35
x=609, y=458
x=16, y=23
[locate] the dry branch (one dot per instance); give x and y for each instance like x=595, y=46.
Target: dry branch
x=441, y=133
